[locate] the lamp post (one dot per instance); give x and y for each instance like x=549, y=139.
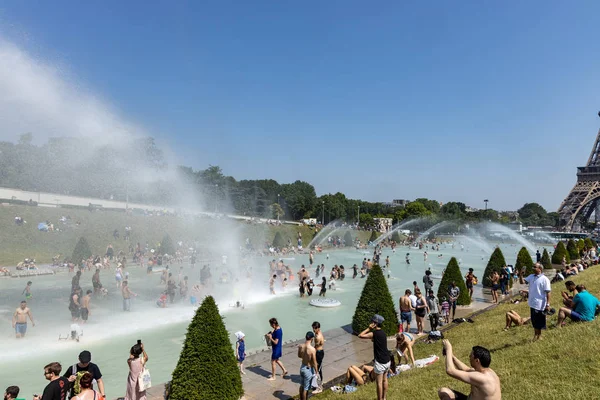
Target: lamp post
x=278, y=208
x=358, y=217
x=216, y=195
x=486, y=201
x=323, y=214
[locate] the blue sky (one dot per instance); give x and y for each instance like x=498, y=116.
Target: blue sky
x=459, y=101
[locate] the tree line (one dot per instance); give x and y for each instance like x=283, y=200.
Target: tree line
x=137, y=171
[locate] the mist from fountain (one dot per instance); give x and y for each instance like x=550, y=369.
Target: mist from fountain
x=434, y=229
x=495, y=227
x=324, y=232
x=478, y=242
x=396, y=228
x=330, y=234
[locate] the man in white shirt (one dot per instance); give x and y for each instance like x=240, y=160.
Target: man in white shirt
x=539, y=299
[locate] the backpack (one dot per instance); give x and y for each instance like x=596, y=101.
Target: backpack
x=76, y=389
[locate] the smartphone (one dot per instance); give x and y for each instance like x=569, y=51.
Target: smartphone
x=444, y=352
x=140, y=341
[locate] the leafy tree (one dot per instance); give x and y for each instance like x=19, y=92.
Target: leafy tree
x=276, y=211
x=414, y=209
x=433, y=206
x=166, y=245
x=588, y=243
x=348, y=239
x=452, y=274
x=278, y=240
x=207, y=357
x=559, y=252
x=81, y=252
x=366, y=220
x=375, y=299
x=453, y=210
x=300, y=198
x=495, y=263
x=533, y=214
x=572, y=250
x=524, y=260
x=374, y=236
x=546, y=262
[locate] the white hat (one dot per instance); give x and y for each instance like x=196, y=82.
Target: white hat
x=239, y=335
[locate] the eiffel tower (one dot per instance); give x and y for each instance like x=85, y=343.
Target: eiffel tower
x=584, y=198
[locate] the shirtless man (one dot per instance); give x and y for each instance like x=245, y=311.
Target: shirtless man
x=272, y=284
x=309, y=366
x=485, y=384
x=19, y=321
x=127, y=293
x=406, y=308
x=85, y=306
x=319, y=342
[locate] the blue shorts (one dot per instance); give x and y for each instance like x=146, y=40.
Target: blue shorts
x=306, y=374
x=21, y=328
x=576, y=317
x=406, y=316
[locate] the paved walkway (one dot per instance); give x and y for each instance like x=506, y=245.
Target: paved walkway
x=342, y=349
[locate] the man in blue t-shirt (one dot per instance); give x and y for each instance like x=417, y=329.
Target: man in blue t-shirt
x=584, y=307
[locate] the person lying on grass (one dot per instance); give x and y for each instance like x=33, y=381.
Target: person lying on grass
x=524, y=296
x=365, y=373
x=583, y=307
x=513, y=318
x=485, y=384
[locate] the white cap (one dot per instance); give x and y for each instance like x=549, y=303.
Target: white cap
x=239, y=335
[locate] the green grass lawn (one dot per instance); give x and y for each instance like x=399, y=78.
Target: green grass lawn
x=19, y=242
x=564, y=364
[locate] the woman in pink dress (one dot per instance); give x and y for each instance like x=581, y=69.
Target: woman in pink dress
x=137, y=359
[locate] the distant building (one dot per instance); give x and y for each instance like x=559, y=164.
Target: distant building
x=399, y=203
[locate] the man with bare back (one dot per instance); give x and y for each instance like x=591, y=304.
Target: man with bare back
x=485, y=384
x=19, y=320
x=406, y=308
x=308, y=354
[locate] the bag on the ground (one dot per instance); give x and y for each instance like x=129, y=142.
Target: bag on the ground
x=315, y=381
x=144, y=380
x=435, y=335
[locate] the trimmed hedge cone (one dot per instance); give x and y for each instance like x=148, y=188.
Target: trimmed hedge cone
x=546, y=262
x=452, y=274
x=81, y=252
x=559, y=253
x=375, y=299
x=207, y=368
x=524, y=260
x=496, y=263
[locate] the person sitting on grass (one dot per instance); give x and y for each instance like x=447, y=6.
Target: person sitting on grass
x=513, y=318
x=404, y=343
x=568, y=296
x=583, y=308
x=524, y=296
x=485, y=384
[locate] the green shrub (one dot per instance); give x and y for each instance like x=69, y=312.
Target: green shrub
x=348, y=239
x=207, y=368
x=524, y=260
x=375, y=299
x=589, y=244
x=167, y=246
x=572, y=250
x=496, y=263
x=81, y=252
x=396, y=237
x=374, y=236
x=278, y=240
x=559, y=252
x=580, y=246
x=546, y=262
x=452, y=274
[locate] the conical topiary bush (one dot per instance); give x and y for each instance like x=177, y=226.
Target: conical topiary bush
x=524, y=260
x=375, y=299
x=348, y=239
x=396, y=237
x=374, y=236
x=207, y=368
x=572, y=250
x=496, y=263
x=546, y=262
x=580, y=246
x=452, y=274
x=559, y=252
x=167, y=246
x=278, y=240
x=81, y=252
x=589, y=244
